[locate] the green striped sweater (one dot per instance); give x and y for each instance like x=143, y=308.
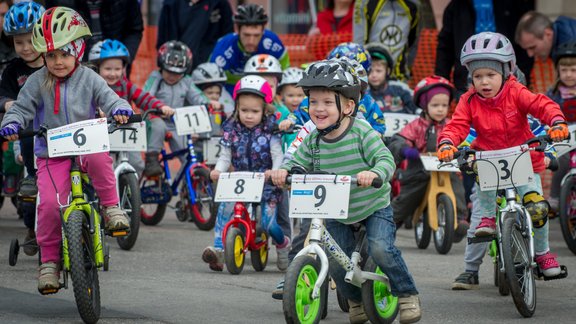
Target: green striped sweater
x=358, y=149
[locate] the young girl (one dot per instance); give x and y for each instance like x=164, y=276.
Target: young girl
x=55, y=96
x=497, y=105
x=249, y=130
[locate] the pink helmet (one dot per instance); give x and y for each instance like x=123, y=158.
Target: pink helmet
x=488, y=46
x=256, y=85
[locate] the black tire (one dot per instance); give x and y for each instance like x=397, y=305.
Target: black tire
x=342, y=301
x=234, y=250
x=297, y=304
x=205, y=211
x=130, y=202
x=422, y=231
x=259, y=258
x=516, y=255
x=152, y=214
x=503, y=288
x=380, y=305
x=14, y=250
x=444, y=235
x=83, y=268
x=106, y=265
x=568, y=214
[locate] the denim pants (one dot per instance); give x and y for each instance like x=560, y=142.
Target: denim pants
x=380, y=237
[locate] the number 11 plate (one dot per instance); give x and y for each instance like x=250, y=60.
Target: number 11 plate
x=319, y=196
x=240, y=187
x=192, y=120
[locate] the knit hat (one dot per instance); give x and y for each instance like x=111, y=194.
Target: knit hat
x=428, y=95
x=75, y=48
x=499, y=67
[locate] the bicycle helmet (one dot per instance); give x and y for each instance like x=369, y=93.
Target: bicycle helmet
x=250, y=14
x=174, y=56
x=21, y=17
x=421, y=97
x=256, y=85
x=564, y=50
x=488, y=46
x=107, y=49
x=380, y=51
x=353, y=51
x=291, y=75
x=359, y=70
x=58, y=27
x=208, y=73
x=261, y=64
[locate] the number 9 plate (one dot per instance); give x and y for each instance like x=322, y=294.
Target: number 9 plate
x=240, y=187
x=319, y=196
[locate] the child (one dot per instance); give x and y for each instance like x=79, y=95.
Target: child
x=268, y=67
x=433, y=95
x=54, y=96
x=334, y=92
x=249, y=130
x=292, y=97
x=111, y=58
x=172, y=86
x=497, y=105
x=390, y=97
x=210, y=78
x=18, y=23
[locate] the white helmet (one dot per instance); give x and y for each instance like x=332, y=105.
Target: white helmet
x=261, y=64
x=291, y=75
x=208, y=73
x=488, y=46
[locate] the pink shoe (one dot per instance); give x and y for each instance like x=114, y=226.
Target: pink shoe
x=548, y=264
x=486, y=227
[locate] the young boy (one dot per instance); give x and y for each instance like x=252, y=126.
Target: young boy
x=334, y=92
x=292, y=97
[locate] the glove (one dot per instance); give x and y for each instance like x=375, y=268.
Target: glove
x=559, y=131
x=411, y=153
x=446, y=152
x=10, y=129
x=123, y=111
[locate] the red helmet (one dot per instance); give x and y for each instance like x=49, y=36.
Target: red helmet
x=429, y=83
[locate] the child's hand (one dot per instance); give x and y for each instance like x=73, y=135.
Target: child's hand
x=10, y=131
x=285, y=125
x=365, y=178
x=121, y=115
x=195, y=137
x=559, y=131
x=214, y=175
x=446, y=152
x=216, y=105
x=121, y=119
x=101, y=113
x=166, y=111
x=278, y=177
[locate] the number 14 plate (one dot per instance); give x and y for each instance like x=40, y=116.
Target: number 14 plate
x=240, y=187
x=319, y=196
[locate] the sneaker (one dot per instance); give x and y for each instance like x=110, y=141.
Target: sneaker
x=548, y=264
x=30, y=245
x=356, y=313
x=153, y=167
x=409, y=309
x=461, y=230
x=115, y=219
x=48, y=276
x=486, y=227
x=278, y=292
x=466, y=281
x=282, y=251
x=27, y=187
x=214, y=258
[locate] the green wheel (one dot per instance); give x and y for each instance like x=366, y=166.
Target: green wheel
x=298, y=305
x=380, y=305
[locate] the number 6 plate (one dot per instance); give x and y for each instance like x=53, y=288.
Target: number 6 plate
x=240, y=187
x=81, y=138
x=192, y=120
x=503, y=160
x=319, y=196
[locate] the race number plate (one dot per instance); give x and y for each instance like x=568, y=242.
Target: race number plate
x=563, y=149
x=508, y=165
x=240, y=187
x=319, y=196
x=192, y=120
x=81, y=138
x=396, y=121
x=129, y=138
x=212, y=150
x=431, y=163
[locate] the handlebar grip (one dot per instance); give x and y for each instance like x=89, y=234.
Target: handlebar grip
x=377, y=183
x=135, y=118
x=27, y=133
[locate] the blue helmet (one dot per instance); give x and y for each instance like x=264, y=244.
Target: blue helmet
x=352, y=51
x=21, y=17
x=109, y=48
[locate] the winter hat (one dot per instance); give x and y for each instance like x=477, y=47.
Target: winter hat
x=499, y=67
x=75, y=48
x=425, y=97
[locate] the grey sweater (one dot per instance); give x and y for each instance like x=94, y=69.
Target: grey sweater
x=79, y=96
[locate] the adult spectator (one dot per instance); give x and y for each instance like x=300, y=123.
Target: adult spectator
x=109, y=19
x=233, y=50
x=464, y=18
x=390, y=22
x=212, y=19
x=335, y=19
x=540, y=37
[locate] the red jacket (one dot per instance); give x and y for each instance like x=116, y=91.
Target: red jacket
x=415, y=132
x=326, y=22
x=501, y=121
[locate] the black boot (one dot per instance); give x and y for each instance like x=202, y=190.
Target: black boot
x=153, y=167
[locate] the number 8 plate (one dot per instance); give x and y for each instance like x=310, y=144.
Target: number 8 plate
x=240, y=187
x=319, y=196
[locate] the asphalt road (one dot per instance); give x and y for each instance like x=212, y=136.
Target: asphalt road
x=163, y=280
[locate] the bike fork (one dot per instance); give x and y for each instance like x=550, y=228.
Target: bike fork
x=316, y=230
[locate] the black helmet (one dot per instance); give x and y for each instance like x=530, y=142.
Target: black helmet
x=380, y=51
x=336, y=75
x=250, y=14
x=175, y=56
x=565, y=50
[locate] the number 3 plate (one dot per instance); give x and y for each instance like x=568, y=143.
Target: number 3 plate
x=396, y=121
x=129, y=140
x=81, y=138
x=504, y=160
x=319, y=196
x=192, y=120
x=240, y=187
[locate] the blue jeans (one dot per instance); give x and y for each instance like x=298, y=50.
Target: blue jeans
x=380, y=237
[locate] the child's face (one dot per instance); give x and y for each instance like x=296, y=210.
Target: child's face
x=213, y=92
x=567, y=75
x=60, y=63
x=112, y=70
x=250, y=110
x=292, y=96
x=377, y=76
x=487, y=82
x=23, y=47
x=171, y=78
x=273, y=81
x=438, y=107
x=323, y=110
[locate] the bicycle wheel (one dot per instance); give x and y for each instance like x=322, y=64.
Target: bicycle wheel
x=259, y=257
x=444, y=235
x=205, y=210
x=380, y=305
x=568, y=213
x=297, y=304
x=234, y=250
x=129, y=202
x=517, y=262
x=151, y=213
x=422, y=231
x=501, y=280
x=13, y=255
x=342, y=301
x=83, y=268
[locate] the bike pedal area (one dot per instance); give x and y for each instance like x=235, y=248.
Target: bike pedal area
x=481, y=239
x=563, y=274
x=118, y=233
x=51, y=291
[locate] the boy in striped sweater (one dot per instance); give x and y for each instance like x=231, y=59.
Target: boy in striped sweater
x=344, y=145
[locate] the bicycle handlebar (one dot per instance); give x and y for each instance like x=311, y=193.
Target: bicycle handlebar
x=294, y=129
x=376, y=183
